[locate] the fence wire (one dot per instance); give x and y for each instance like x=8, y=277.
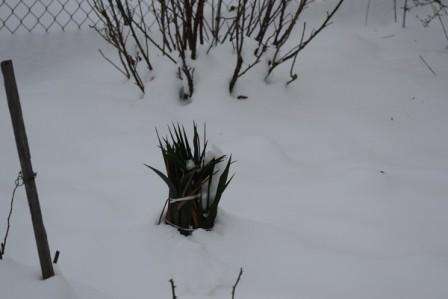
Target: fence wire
x=45, y=15
x=49, y=15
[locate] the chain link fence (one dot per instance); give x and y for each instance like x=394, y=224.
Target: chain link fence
x=45, y=15
x=55, y=15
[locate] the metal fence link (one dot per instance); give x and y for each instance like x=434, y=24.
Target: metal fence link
x=47, y=15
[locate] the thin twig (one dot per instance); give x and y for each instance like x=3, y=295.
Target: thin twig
x=427, y=65
x=367, y=12
x=173, y=287
x=163, y=211
x=113, y=64
x=443, y=26
x=405, y=10
x=18, y=183
x=236, y=283
x=395, y=11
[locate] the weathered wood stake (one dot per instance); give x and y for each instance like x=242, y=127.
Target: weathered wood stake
x=27, y=169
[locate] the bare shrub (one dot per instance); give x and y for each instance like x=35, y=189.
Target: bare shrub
x=179, y=28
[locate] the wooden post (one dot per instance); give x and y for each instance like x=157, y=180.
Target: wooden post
x=27, y=169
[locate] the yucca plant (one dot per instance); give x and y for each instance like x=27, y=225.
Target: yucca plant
x=195, y=178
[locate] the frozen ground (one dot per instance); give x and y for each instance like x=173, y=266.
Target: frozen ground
x=341, y=187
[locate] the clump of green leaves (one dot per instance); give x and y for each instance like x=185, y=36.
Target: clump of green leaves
x=195, y=181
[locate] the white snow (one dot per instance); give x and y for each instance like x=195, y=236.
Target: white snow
x=341, y=179
x=19, y=281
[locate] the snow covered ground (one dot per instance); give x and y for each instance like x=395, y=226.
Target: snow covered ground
x=341, y=181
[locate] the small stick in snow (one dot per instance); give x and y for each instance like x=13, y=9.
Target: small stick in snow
x=367, y=13
x=173, y=288
x=56, y=257
x=427, y=65
x=236, y=283
x=405, y=10
x=395, y=11
x=443, y=26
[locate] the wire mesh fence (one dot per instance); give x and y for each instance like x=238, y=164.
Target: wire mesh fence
x=51, y=15
x=45, y=15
